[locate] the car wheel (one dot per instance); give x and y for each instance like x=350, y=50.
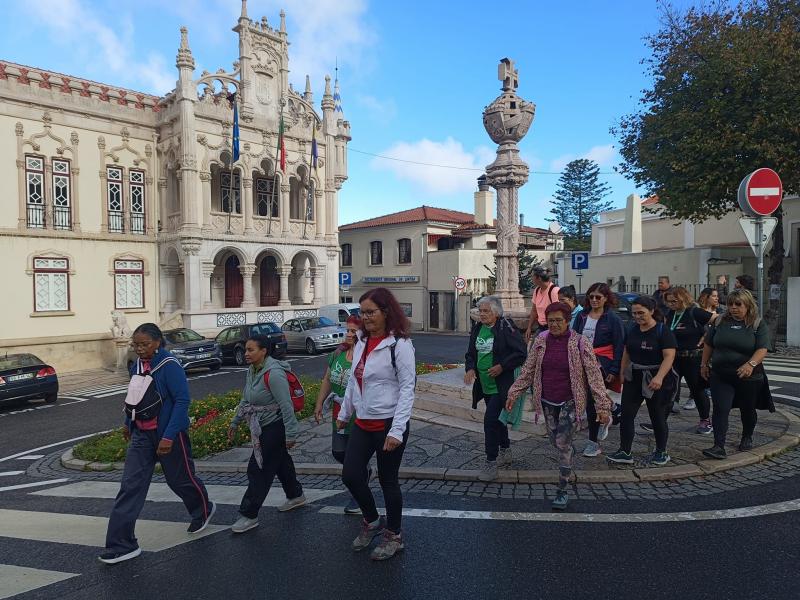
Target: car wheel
x=51, y=398
x=238, y=356
x=311, y=348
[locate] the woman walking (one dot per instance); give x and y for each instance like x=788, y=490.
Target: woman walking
x=267, y=408
x=647, y=365
x=332, y=389
x=380, y=394
x=160, y=438
x=603, y=328
x=566, y=295
x=564, y=373
x=495, y=349
x=709, y=301
x=734, y=350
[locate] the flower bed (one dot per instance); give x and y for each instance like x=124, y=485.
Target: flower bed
x=423, y=368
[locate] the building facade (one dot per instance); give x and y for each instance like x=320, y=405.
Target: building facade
x=122, y=201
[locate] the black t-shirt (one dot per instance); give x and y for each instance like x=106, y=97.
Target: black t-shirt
x=689, y=327
x=644, y=347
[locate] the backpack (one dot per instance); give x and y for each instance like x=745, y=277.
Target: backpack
x=143, y=402
x=394, y=362
x=537, y=292
x=296, y=391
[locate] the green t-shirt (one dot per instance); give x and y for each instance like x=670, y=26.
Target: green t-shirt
x=484, y=344
x=340, y=375
x=734, y=343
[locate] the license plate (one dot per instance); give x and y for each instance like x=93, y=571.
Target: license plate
x=20, y=377
x=204, y=355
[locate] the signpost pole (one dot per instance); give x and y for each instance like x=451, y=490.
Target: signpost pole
x=760, y=265
x=579, y=275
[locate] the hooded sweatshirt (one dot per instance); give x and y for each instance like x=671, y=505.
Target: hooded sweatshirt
x=275, y=400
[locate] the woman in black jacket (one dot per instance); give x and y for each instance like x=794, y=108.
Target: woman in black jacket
x=495, y=350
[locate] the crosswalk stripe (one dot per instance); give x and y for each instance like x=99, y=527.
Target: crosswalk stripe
x=782, y=361
x=10, y=473
x=782, y=378
x=18, y=580
x=160, y=492
x=23, y=486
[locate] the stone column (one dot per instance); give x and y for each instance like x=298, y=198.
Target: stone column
x=192, y=274
x=186, y=97
x=331, y=220
x=75, y=171
x=163, y=213
x=208, y=273
x=205, y=187
x=168, y=288
x=318, y=274
x=247, y=199
x=22, y=217
x=284, y=210
x=283, y=273
x=247, y=271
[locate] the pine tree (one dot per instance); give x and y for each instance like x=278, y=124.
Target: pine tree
x=578, y=201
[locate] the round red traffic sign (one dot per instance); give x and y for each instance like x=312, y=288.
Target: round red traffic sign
x=760, y=193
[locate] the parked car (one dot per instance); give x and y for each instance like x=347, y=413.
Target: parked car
x=339, y=312
x=26, y=377
x=313, y=334
x=190, y=348
x=232, y=340
x=623, y=308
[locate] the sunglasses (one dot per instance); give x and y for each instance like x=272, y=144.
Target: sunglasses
x=596, y=297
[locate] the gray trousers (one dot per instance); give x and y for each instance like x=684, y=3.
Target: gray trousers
x=140, y=463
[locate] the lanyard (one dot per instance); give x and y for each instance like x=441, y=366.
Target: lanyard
x=676, y=318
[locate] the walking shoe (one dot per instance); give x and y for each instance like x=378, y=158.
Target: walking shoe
x=690, y=405
x=676, y=408
x=705, y=427
x=648, y=427
x=660, y=458
x=197, y=525
x=602, y=431
x=616, y=414
x=489, y=471
x=391, y=543
x=561, y=500
x=592, y=449
x=352, y=508
x=368, y=533
x=715, y=452
x=293, y=503
x=112, y=558
x=244, y=524
x=620, y=457
x=746, y=443
x=504, y=458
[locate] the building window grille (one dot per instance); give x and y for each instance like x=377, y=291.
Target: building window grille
x=265, y=197
x=116, y=216
x=347, y=255
x=128, y=284
x=34, y=191
x=62, y=190
x=136, y=192
x=404, y=251
x=50, y=284
x=227, y=189
x=376, y=253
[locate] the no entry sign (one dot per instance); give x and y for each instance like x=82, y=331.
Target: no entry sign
x=760, y=193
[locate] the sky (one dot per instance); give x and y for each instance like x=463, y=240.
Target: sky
x=414, y=76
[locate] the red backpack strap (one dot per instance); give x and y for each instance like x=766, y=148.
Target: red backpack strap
x=266, y=379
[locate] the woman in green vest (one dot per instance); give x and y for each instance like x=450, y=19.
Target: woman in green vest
x=331, y=392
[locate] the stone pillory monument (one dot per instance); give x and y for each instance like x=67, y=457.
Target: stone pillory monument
x=507, y=120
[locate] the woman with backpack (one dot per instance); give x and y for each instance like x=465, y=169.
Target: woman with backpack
x=495, y=350
x=332, y=389
x=603, y=328
x=158, y=433
x=380, y=393
x=649, y=377
x=267, y=408
x=564, y=373
x=734, y=350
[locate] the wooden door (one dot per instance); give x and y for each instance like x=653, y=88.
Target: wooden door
x=270, y=282
x=433, y=321
x=234, y=284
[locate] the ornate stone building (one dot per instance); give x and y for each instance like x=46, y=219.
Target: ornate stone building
x=118, y=200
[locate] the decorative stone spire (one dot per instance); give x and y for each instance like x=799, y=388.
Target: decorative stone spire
x=337, y=99
x=327, y=97
x=307, y=96
x=184, y=58
x=283, y=22
x=244, y=10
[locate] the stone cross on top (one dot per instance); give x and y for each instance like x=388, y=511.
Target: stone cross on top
x=508, y=75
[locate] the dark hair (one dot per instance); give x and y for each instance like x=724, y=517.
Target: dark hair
x=396, y=320
x=542, y=273
x=559, y=307
x=351, y=320
x=152, y=331
x=704, y=297
x=650, y=304
x=600, y=288
x=747, y=282
x=264, y=342
x=568, y=291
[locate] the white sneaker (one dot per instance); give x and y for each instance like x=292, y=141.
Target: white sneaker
x=244, y=524
x=602, y=431
x=592, y=449
x=504, y=459
x=690, y=405
x=292, y=503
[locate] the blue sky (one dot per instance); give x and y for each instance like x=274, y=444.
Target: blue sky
x=414, y=76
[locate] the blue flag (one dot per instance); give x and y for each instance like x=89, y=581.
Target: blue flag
x=314, y=150
x=232, y=98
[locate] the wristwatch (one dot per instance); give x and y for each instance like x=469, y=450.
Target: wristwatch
x=752, y=363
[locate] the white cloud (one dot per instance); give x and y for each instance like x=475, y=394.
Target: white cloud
x=378, y=110
x=432, y=179
x=603, y=155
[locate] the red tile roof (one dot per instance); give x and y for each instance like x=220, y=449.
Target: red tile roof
x=650, y=200
x=414, y=215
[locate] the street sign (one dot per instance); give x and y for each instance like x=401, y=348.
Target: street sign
x=750, y=227
x=760, y=193
x=345, y=278
x=460, y=283
x=580, y=260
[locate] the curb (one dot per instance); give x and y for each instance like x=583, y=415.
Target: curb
x=790, y=439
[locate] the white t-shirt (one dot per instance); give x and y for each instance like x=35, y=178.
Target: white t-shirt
x=589, y=327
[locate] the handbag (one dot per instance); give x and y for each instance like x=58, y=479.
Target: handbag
x=143, y=402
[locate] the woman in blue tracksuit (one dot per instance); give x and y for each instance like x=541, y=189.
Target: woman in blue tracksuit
x=600, y=325
x=162, y=439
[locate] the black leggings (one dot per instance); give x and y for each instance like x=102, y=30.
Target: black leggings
x=495, y=431
x=724, y=386
x=360, y=448
x=591, y=416
x=657, y=406
x=688, y=368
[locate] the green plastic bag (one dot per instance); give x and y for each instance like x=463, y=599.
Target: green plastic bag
x=514, y=418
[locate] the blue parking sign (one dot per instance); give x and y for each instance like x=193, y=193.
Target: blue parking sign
x=345, y=278
x=580, y=260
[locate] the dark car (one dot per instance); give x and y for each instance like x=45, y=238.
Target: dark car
x=623, y=308
x=232, y=340
x=190, y=348
x=26, y=377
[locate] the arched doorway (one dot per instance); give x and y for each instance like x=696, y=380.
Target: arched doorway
x=270, y=282
x=234, y=285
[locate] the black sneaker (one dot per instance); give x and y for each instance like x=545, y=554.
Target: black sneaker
x=620, y=457
x=352, y=508
x=112, y=558
x=197, y=525
x=648, y=427
x=616, y=414
x=746, y=443
x=715, y=452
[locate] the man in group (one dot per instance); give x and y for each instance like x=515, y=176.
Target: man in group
x=744, y=282
x=545, y=292
x=663, y=286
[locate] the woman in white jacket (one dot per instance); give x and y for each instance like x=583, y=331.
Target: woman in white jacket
x=380, y=393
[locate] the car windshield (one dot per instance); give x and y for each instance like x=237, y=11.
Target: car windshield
x=179, y=336
x=17, y=361
x=316, y=323
x=265, y=329
x=356, y=312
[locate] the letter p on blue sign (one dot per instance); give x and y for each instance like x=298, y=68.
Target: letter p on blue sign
x=580, y=261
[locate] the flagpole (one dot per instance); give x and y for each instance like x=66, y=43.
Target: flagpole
x=275, y=171
x=234, y=147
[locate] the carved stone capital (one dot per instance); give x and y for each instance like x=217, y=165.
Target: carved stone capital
x=205, y=176
x=285, y=188
x=247, y=270
x=191, y=246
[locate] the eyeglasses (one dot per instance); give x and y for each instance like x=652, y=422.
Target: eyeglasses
x=735, y=303
x=368, y=314
x=671, y=300
x=596, y=297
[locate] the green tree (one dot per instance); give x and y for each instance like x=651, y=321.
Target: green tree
x=577, y=202
x=724, y=101
x=527, y=263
